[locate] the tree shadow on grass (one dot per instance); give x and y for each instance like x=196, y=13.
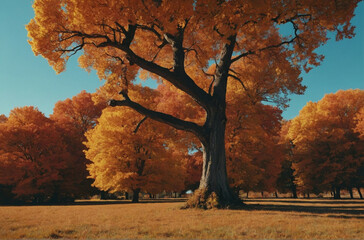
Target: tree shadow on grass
x=143, y=201
x=334, y=211
x=308, y=201
x=100, y=202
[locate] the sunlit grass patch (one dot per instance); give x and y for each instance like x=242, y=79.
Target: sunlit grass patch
x=266, y=218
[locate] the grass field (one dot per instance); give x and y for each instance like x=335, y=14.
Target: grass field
x=265, y=218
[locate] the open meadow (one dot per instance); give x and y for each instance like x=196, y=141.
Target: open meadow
x=264, y=218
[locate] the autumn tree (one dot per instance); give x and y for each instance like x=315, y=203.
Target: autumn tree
x=286, y=181
x=359, y=118
x=5, y=189
x=328, y=152
x=75, y=117
x=253, y=154
x=32, y=156
x=128, y=156
x=177, y=41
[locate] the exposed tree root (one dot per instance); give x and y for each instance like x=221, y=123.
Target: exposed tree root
x=204, y=199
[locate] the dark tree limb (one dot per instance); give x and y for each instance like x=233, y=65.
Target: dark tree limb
x=176, y=77
x=179, y=80
x=222, y=70
x=139, y=124
x=159, y=116
x=296, y=36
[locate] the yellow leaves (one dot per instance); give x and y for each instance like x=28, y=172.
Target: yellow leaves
x=123, y=159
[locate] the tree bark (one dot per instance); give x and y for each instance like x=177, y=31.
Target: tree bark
x=214, y=190
x=136, y=195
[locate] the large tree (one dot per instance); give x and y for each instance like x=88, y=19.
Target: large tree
x=176, y=41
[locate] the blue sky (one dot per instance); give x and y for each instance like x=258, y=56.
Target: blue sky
x=28, y=80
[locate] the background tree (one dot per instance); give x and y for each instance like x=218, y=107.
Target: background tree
x=175, y=41
x=328, y=152
x=286, y=181
x=32, y=156
x=193, y=171
x=360, y=129
x=75, y=116
x=360, y=122
x=6, y=195
x=129, y=156
x=253, y=153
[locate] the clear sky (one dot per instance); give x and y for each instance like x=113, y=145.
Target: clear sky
x=28, y=80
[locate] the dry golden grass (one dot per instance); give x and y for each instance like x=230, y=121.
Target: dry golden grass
x=266, y=218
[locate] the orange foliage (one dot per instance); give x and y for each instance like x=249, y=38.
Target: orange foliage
x=33, y=155
x=253, y=154
x=328, y=152
x=75, y=116
x=360, y=122
x=78, y=114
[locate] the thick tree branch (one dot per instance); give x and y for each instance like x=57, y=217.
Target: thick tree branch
x=159, y=116
x=222, y=70
x=177, y=77
x=181, y=81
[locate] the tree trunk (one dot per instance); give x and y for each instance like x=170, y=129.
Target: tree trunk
x=276, y=194
x=361, y=196
x=136, y=195
x=351, y=192
x=337, y=193
x=247, y=194
x=294, y=191
x=214, y=190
